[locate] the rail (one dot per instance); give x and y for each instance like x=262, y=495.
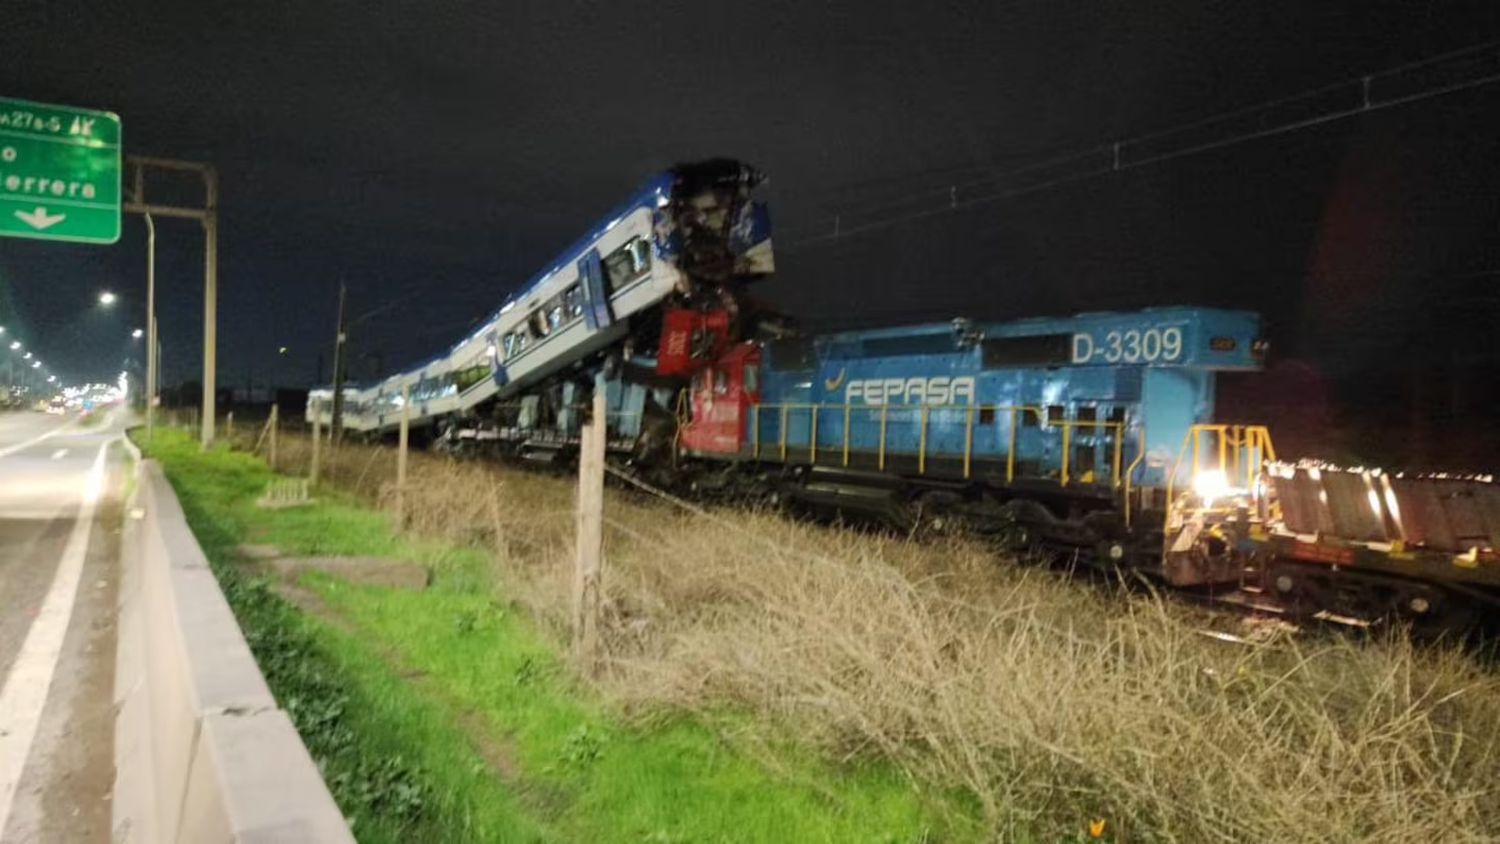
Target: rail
x=923, y=414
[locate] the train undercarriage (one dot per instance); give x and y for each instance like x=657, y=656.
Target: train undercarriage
x=1243, y=552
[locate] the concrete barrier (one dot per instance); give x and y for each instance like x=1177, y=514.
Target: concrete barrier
x=202, y=752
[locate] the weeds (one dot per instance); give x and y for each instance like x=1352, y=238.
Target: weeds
x=442, y=715
x=1046, y=704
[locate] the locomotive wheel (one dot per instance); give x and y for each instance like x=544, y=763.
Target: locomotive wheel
x=937, y=514
x=1026, y=520
x=1112, y=553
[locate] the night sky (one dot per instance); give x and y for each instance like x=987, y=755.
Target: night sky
x=435, y=155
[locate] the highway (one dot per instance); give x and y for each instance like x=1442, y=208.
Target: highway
x=61, y=486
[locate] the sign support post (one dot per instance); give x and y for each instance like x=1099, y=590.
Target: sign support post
x=208, y=216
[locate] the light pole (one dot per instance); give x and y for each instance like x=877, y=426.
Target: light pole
x=151, y=341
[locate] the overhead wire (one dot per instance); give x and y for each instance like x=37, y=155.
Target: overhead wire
x=1115, y=156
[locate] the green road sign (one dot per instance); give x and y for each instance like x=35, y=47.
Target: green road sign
x=59, y=172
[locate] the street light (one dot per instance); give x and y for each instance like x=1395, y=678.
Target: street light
x=26, y=356
x=137, y=334
x=36, y=365
x=107, y=298
x=15, y=344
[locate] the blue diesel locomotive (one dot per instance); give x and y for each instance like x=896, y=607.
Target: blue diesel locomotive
x=1095, y=431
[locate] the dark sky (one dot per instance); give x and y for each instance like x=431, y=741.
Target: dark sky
x=449, y=149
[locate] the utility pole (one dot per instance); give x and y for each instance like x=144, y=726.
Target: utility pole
x=151, y=344
x=401, y=457
x=338, y=372
x=317, y=442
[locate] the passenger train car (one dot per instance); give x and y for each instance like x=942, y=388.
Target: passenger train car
x=692, y=235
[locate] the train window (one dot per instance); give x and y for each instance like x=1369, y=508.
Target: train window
x=573, y=301
x=721, y=382
x=1084, y=459
x=508, y=345
x=1055, y=414
x=640, y=254
x=538, y=323
x=752, y=379
x=626, y=263
x=1084, y=413
x=1040, y=350
x=554, y=312
x=470, y=376
x=1117, y=414
x=1029, y=417
x=986, y=416
x=618, y=268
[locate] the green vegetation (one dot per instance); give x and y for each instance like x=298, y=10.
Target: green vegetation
x=963, y=695
x=445, y=715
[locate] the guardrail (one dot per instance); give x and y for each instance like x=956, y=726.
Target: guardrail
x=202, y=752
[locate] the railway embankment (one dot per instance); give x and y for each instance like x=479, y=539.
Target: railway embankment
x=769, y=679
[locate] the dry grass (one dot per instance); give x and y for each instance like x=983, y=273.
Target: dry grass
x=1046, y=702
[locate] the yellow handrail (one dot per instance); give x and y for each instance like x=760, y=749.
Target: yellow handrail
x=846, y=435
x=968, y=439
x=1245, y=440
x=1063, y=476
x=1130, y=472
x=784, y=411
x=755, y=433
x=921, y=443
x=924, y=412
x=1010, y=453
x=812, y=438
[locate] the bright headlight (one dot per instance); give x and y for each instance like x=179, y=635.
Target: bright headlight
x=1211, y=484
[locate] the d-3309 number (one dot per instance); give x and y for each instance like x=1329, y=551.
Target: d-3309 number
x=1152, y=345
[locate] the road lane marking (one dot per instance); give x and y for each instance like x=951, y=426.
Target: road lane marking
x=9, y=450
x=59, y=454
x=24, y=694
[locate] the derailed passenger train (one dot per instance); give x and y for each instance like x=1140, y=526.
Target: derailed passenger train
x=692, y=236
x=1094, y=433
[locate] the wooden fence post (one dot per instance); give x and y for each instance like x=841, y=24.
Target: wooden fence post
x=275, y=423
x=317, y=441
x=401, y=457
x=587, y=575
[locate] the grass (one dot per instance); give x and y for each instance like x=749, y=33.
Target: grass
x=1041, y=703
x=447, y=715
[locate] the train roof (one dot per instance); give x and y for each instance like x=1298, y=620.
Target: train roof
x=1029, y=326
x=654, y=193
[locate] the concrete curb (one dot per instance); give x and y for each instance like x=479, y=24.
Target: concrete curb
x=202, y=752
